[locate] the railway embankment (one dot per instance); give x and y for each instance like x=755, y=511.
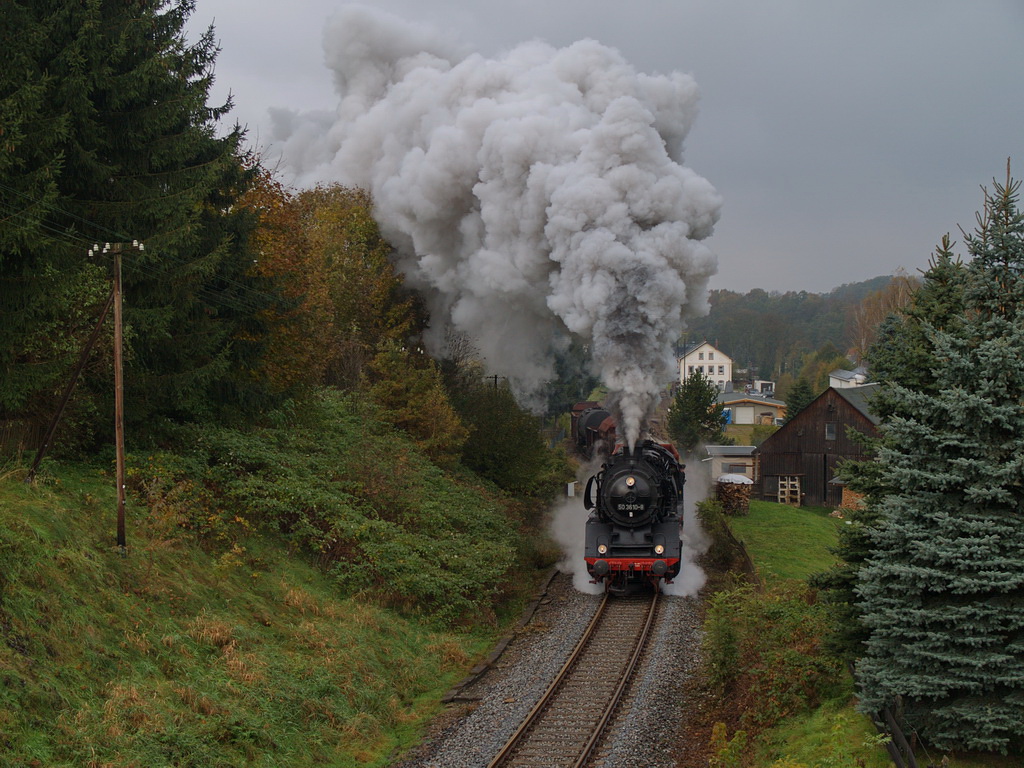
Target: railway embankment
x=282, y=599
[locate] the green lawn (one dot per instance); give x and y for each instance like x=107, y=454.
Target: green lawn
x=787, y=542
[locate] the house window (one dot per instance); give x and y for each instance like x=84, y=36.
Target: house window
x=691, y=370
x=721, y=370
x=830, y=430
x=711, y=355
x=700, y=355
x=736, y=469
x=789, y=490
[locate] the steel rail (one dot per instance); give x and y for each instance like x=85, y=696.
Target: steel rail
x=627, y=675
x=535, y=715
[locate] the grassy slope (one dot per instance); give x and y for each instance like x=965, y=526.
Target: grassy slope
x=789, y=543
x=786, y=542
x=208, y=652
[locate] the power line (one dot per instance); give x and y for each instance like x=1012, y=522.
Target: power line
x=70, y=237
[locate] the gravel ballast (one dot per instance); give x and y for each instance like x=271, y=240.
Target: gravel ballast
x=486, y=711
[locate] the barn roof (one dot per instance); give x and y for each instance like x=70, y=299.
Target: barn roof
x=859, y=398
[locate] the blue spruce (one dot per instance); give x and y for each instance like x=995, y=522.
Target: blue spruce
x=942, y=592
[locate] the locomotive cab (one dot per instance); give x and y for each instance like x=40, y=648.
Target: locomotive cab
x=633, y=531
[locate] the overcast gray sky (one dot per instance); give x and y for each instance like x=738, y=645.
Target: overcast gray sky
x=845, y=137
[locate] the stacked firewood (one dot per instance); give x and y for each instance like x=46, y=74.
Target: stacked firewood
x=735, y=498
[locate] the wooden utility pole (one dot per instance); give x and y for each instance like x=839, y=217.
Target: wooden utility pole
x=116, y=249
x=83, y=358
x=119, y=398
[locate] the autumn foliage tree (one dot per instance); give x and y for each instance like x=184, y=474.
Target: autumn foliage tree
x=409, y=393
x=876, y=307
x=345, y=302
x=369, y=305
x=301, y=329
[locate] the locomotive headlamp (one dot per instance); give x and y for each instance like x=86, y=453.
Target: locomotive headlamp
x=602, y=549
x=659, y=549
x=630, y=481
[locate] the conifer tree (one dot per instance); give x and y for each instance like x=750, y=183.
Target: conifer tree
x=798, y=398
x=696, y=415
x=129, y=151
x=901, y=355
x=942, y=590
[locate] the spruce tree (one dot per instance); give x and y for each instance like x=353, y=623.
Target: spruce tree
x=132, y=153
x=942, y=589
x=696, y=415
x=900, y=355
x=798, y=398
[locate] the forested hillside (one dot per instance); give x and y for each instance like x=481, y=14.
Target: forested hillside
x=770, y=331
x=300, y=475
x=772, y=335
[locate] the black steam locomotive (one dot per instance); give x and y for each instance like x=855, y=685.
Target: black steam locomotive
x=633, y=531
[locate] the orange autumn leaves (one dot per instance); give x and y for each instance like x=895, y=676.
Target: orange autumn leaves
x=322, y=250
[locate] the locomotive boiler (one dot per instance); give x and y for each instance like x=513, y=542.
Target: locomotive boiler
x=636, y=517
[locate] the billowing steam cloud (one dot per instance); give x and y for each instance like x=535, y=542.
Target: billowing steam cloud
x=529, y=195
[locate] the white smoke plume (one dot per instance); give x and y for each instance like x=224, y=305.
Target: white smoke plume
x=529, y=196
x=695, y=541
x=568, y=528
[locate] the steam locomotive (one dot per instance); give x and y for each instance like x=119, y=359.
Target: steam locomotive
x=636, y=517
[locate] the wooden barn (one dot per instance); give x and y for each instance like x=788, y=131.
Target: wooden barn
x=797, y=464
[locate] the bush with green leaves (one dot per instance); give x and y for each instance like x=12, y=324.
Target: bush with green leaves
x=358, y=497
x=505, y=443
x=764, y=650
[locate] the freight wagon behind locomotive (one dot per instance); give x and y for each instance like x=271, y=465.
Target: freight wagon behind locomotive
x=636, y=517
x=593, y=429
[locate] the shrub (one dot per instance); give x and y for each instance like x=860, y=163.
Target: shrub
x=764, y=650
x=357, y=496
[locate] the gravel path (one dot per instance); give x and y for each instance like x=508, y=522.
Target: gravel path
x=487, y=711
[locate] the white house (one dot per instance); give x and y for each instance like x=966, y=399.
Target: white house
x=713, y=363
x=841, y=379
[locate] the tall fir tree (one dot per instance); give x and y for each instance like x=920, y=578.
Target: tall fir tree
x=942, y=590
x=131, y=152
x=798, y=398
x=900, y=355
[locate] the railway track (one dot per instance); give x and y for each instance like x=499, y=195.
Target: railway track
x=566, y=724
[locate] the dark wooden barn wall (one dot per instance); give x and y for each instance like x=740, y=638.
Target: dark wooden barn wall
x=800, y=448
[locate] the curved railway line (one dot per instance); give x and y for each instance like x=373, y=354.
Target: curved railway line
x=565, y=726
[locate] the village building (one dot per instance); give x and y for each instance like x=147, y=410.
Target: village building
x=751, y=408
x=715, y=365
x=798, y=463
x=843, y=379
x=730, y=460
